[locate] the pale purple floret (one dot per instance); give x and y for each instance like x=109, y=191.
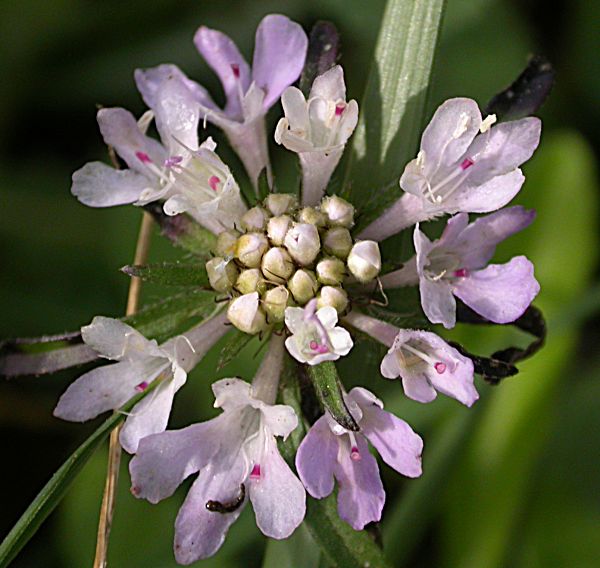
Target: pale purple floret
x=423, y=360
x=236, y=456
x=140, y=362
x=330, y=452
x=279, y=54
x=464, y=165
x=455, y=265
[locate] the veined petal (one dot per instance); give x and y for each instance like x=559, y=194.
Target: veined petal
x=277, y=496
x=114, y=339
x=295, y=110
x=316, y=458
x=278, y=419
x=500, y=292
x=164, y=460
x=394, y=439
x=99, y=185
x=330, y=85
x=438, y=302
x=279, y=55
x=231, y=393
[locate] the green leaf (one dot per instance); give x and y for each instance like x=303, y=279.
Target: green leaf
x=341, y=545
x=236, y=341
x=174, y=314
x=53, y=492
x=393, y=107
x=327, y=384
x=170, y=273
x=297, y=551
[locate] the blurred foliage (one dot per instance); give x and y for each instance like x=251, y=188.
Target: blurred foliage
x=510, y=482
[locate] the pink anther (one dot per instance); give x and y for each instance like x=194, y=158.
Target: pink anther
x=440, y=367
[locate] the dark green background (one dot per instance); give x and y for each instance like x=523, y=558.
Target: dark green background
x=510, y=482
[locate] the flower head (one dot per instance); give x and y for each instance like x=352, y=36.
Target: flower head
x=140, y=361
x=315, y=337
x=330, y=452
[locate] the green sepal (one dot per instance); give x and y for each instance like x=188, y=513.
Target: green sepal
x=263, y=188
x=170, y=273
x=235, y=342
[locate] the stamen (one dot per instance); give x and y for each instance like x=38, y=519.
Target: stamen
x=142, y=386
x=466, y=163
x=255, y=473
x=143, y=157
x=213, y=182
x=339, y=109
x=440, y=367
x=423, y=356
x=235, y=68
x=354, y=453
x=461, y=273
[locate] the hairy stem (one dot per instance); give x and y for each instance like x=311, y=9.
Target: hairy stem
x=114, y=449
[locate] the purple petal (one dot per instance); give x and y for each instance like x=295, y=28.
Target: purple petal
x=224, y=58
x=278, y=497
x=503, y=148
x=164, y=460
x=199, y=533
x=477, y=243
x=279, y=54
x=360, y=495
x=120, y=130
x=415, y=385
x=500, y=292
x=394, y=439
x=450, y=132
x=99, y=185
x=437, y=302
x=454, y=227
x=316, y=458
x=490, y=196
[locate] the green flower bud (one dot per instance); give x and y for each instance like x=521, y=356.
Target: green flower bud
x=250, y=280
x=226, y=242
x=277, y=228
x=339, y=212
x=303, y=285
x=364, y=261
x=333, y=296
x=338, y=242
x=254, y=219
x=246, y=314
x=331, y=271
x=303, y=243
x=250, y=249
x=221, y=273
x=312, y=216
x=280, y=203
x=275, y=301
x=277, y=265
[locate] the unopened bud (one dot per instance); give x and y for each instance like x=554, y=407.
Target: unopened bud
x=274, y=303
x=303, y=243
x=277, y=265
x=250, y=249
x=254, y=219
x=338, y=242
x=280, y=203
x=331, y=271
x=277, y=228
x=246, y=314
x=226, y=242
x=339, y=212
x=312, y=216
x=333, y=296
x=222, y=273
x=303, y=286
x=364, y=260
x=250, y=280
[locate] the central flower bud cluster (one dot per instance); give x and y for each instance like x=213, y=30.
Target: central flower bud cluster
x=283, y=255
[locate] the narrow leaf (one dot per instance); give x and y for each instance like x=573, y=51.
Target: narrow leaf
x=527, y=93
x=328, y=387
x=170, y=273
x=53, y=492
x=323, y=53
x=236, y=341
x=393, y=107
x=183, y=231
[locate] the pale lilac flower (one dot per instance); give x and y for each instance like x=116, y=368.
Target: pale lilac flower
x=279, y=54
x=423, y=360
x=236, y=456
x=465, y=165
x=330, y=452
x=315, y=337
x=140, y=361
x=317, y=129
x=455, y=265
x=188, y=177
